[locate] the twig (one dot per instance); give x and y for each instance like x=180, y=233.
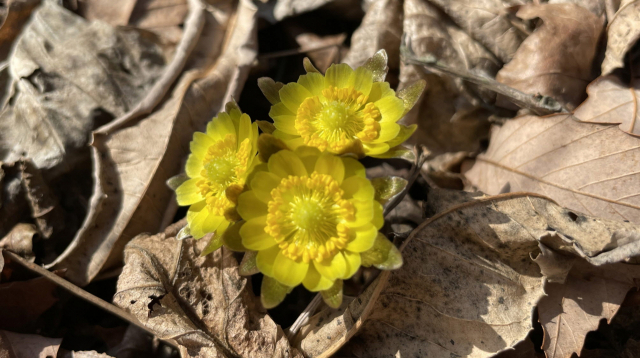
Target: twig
x=303, y=318
x=539, y=104
x=421, y=156
x=192, y=28
x=75, y=290
x=339, y=41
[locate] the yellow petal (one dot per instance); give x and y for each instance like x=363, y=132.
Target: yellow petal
x=200, y=143
x=364, y=213
x=272, y=292
x=378, y=215
x=187, y=193
x=249, y=206
x=253, y=235
x=337, y=75
x=353, y=167
x=231, y=237
x=289, y=272
x=313, y=82
x=333, y=296
x=195, y=210
x=379, y=90
x=391, y=108
x=375, y=148
x=262, y=184
x=254, y=137
x=315, y=282
x=266, y=259
x=362, y=238
x=285, y=163
x=221, y=126
x=361, y=79
x=244, y=129
x=404, y=134
x=358, y=188
x=287, y=124
x=333, y=267
x=292, y=95
x=194, y=165
x=197, y=222
x=294, y=143
x=212, y=223
x=309, y=156
x=331, y=165
x=353, y=263
x=388, y=131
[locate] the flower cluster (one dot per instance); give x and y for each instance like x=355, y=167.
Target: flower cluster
x=296, y=199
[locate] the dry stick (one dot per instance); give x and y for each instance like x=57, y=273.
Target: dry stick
x=538, y=104
x=421, y=157
x=192, y=28
x=300, y=50
x=75, y=290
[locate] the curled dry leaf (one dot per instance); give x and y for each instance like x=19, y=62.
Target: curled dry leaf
x=15, y=345
x=591, y=168
x=448, y=115
x=132, y=164
x=468, y=286
x=612, y=101
x=14, y=15
x=556, y=60
x=45, y=210
x=597, y=7
x=489, y=22
x=623, y=33
x=277, y=10
x=84, y=354
x=200, y=302
x=53, y=51
x=20, y=240
x=381, y=28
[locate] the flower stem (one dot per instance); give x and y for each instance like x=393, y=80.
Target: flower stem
x=303, y=318
x=421, y=156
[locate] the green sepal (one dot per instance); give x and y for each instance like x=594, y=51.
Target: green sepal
x=214, y=243
x=378, y=65
x=411, y=94
x=184, y=233
x=231, y=106
x=269, y=145
x=270, y=89
x=231, y=237
x=384, y=255
x=333, y=296
x=248, y=264
x=266, y=127
x=272, y=292
x=308, y=66
x=388, y=187
x=175, y=181
x=398, y=152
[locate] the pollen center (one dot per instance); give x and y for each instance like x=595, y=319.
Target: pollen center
x=224, y=165
x=337, y=119
x=306, y=217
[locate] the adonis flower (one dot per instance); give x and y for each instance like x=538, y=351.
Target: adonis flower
x=313, y=219
x=217, y=168
x=344, y=111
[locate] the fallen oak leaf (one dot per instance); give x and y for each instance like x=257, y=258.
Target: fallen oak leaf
x=585, y=167
x=16, y=14
x=16, y=345
x=623, y=32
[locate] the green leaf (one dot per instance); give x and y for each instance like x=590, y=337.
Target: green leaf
x=411, y=94
x=269, y=145
x=184, y=233
x=270, y=89
x=384, y=255
x=398, y=152
x=388, y=187
x=214, y=243
x=175, y=181
x=333, y=296
x=308, y=66
x=231, y=237
x=266, y=127
x=378, y=65
x=248, y=265
x=272, y=292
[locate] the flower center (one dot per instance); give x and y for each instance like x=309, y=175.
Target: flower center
x=224, y=166
x=337, y=119
x=306, y=217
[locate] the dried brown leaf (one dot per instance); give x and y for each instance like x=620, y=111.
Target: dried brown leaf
x=15, y=14
x=591, y=168
x=571, y=310
x=468, y=285
x=133, y=163
x=322, y=50
x=612, y=101
x=597, y=7
x=200, y=302
x=623, y=32
x=278, y=10
x=20, y=240
x=24, y=301
x=556, y=60
x=15, y=345
x=55, y=50
x=84, y=354
x=45, y=209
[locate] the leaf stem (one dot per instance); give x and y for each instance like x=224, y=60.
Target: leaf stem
x=303, y=318
x=421, y=154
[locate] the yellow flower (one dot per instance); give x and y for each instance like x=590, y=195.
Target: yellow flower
x=310, y=216
x=217, y=168
x=344, y=111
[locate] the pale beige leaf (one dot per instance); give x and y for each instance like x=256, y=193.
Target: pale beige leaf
x=589, y=168
x=381, y=28
x=597, y=7
x=556, y=60
x=14, y=15
x=20, y=240
x=277, y=10
x=623, y=33
x=84, y=354
x=468, y=285
x=322, y=50
x=113, y=12
x=53, y=52
x=489, y=22
x=132, y=164
x=571, y=310
x=612, y=101
x=16, y=345
x=200, y=302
